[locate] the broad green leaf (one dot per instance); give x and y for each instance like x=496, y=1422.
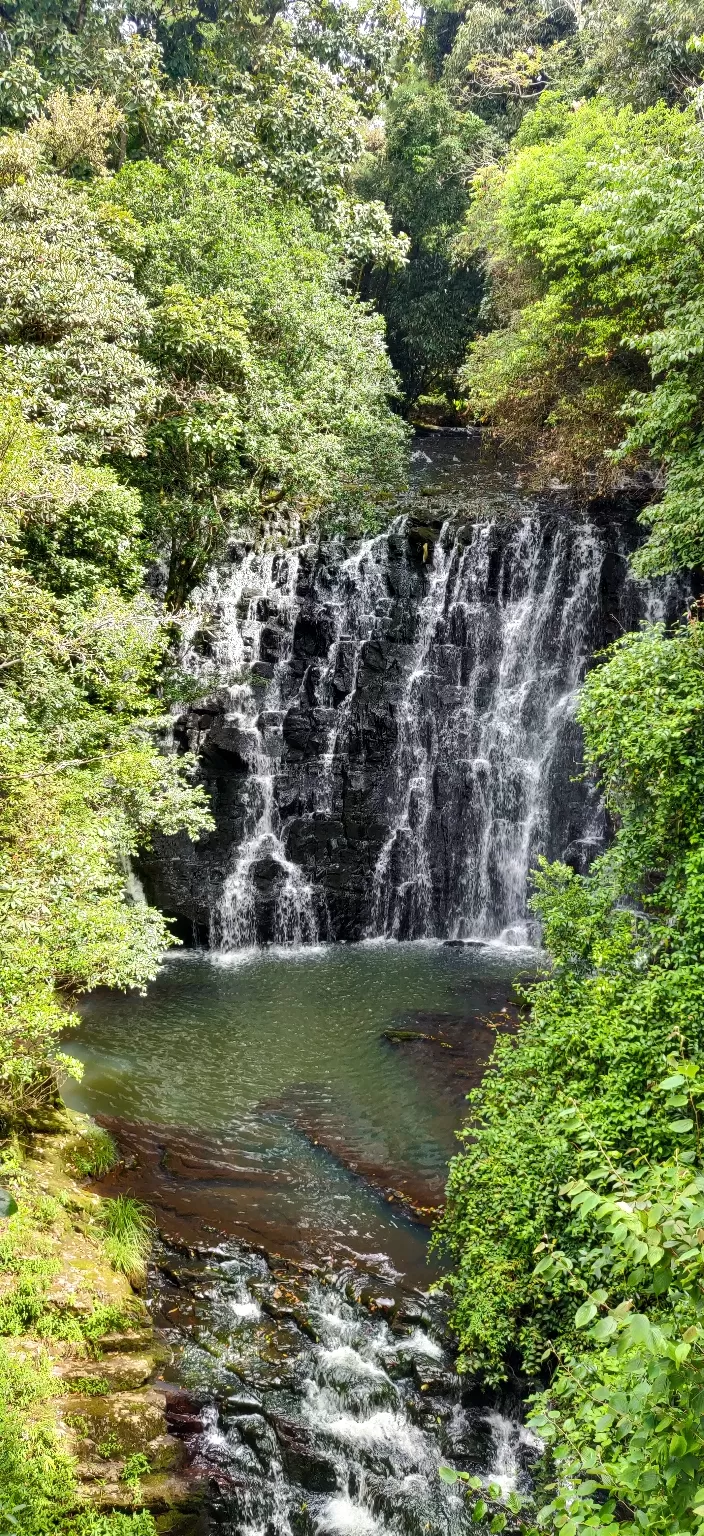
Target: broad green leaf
x=604, y=1329
x=638, y=1330
x=8, y=1204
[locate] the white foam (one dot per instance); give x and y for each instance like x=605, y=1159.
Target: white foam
x=245, y=1309
x=340, y=1516
x=383, y=1431
x=347, y=1362
x=420, y=1343
x=507, y=1436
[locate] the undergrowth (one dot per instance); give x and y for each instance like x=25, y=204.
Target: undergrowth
x=39, y=1494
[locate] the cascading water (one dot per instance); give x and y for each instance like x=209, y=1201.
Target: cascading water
x=503, y=644
x=259, y=587
x=338, y=1423
x=387, y=731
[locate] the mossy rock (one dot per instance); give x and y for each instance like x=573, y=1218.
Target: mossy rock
x=121, y=1372
x=121, y=1424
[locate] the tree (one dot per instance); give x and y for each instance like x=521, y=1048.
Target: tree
x=596, y=290
x=83, y=781
x=70, y=316
x=422, y=170
x=276, y=381
x=643, y=51
x=504, y=55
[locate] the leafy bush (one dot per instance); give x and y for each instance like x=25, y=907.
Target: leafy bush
x=37, y=1484
x=622, y=1416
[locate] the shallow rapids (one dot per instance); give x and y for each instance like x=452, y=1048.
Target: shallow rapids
x=322, y=1406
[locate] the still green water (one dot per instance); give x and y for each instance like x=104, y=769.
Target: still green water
x=274, y=1064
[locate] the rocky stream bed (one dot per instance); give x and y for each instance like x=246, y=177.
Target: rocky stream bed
x=312, y=1400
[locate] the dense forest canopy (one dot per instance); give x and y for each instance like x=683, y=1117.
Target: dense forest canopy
x=239, y=246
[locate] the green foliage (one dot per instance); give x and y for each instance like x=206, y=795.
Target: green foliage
x=597, y=282
x=492, y=1496
x=422, y=170
x=584, y=1148
x=92, y=1155
x=280, y=96
x=37, y=1484
x=140, y=1524
x=128, y=1228
x=38, y=1492
x=36, y=1479
x=504, y=55
x=136, y=1467
x=498, y=58
x=364, y=44
x=622, y=1416
x=83, y=781
x=70, y=318
x=92, y=1524
x=643, y=51
x=28, y=1265
x=275, y=381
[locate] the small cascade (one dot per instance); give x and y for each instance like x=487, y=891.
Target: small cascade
x=511, y=1440
x=326, y=1415
x=387, y=729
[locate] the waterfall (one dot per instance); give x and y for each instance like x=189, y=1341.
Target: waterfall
x=259, y=589
x=503, y=643
x=387, y=729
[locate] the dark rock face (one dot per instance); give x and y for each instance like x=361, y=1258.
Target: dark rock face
x=396, y=744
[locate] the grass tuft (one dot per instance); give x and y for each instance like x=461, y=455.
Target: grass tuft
x=91, y=1155
x=128, y=1228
